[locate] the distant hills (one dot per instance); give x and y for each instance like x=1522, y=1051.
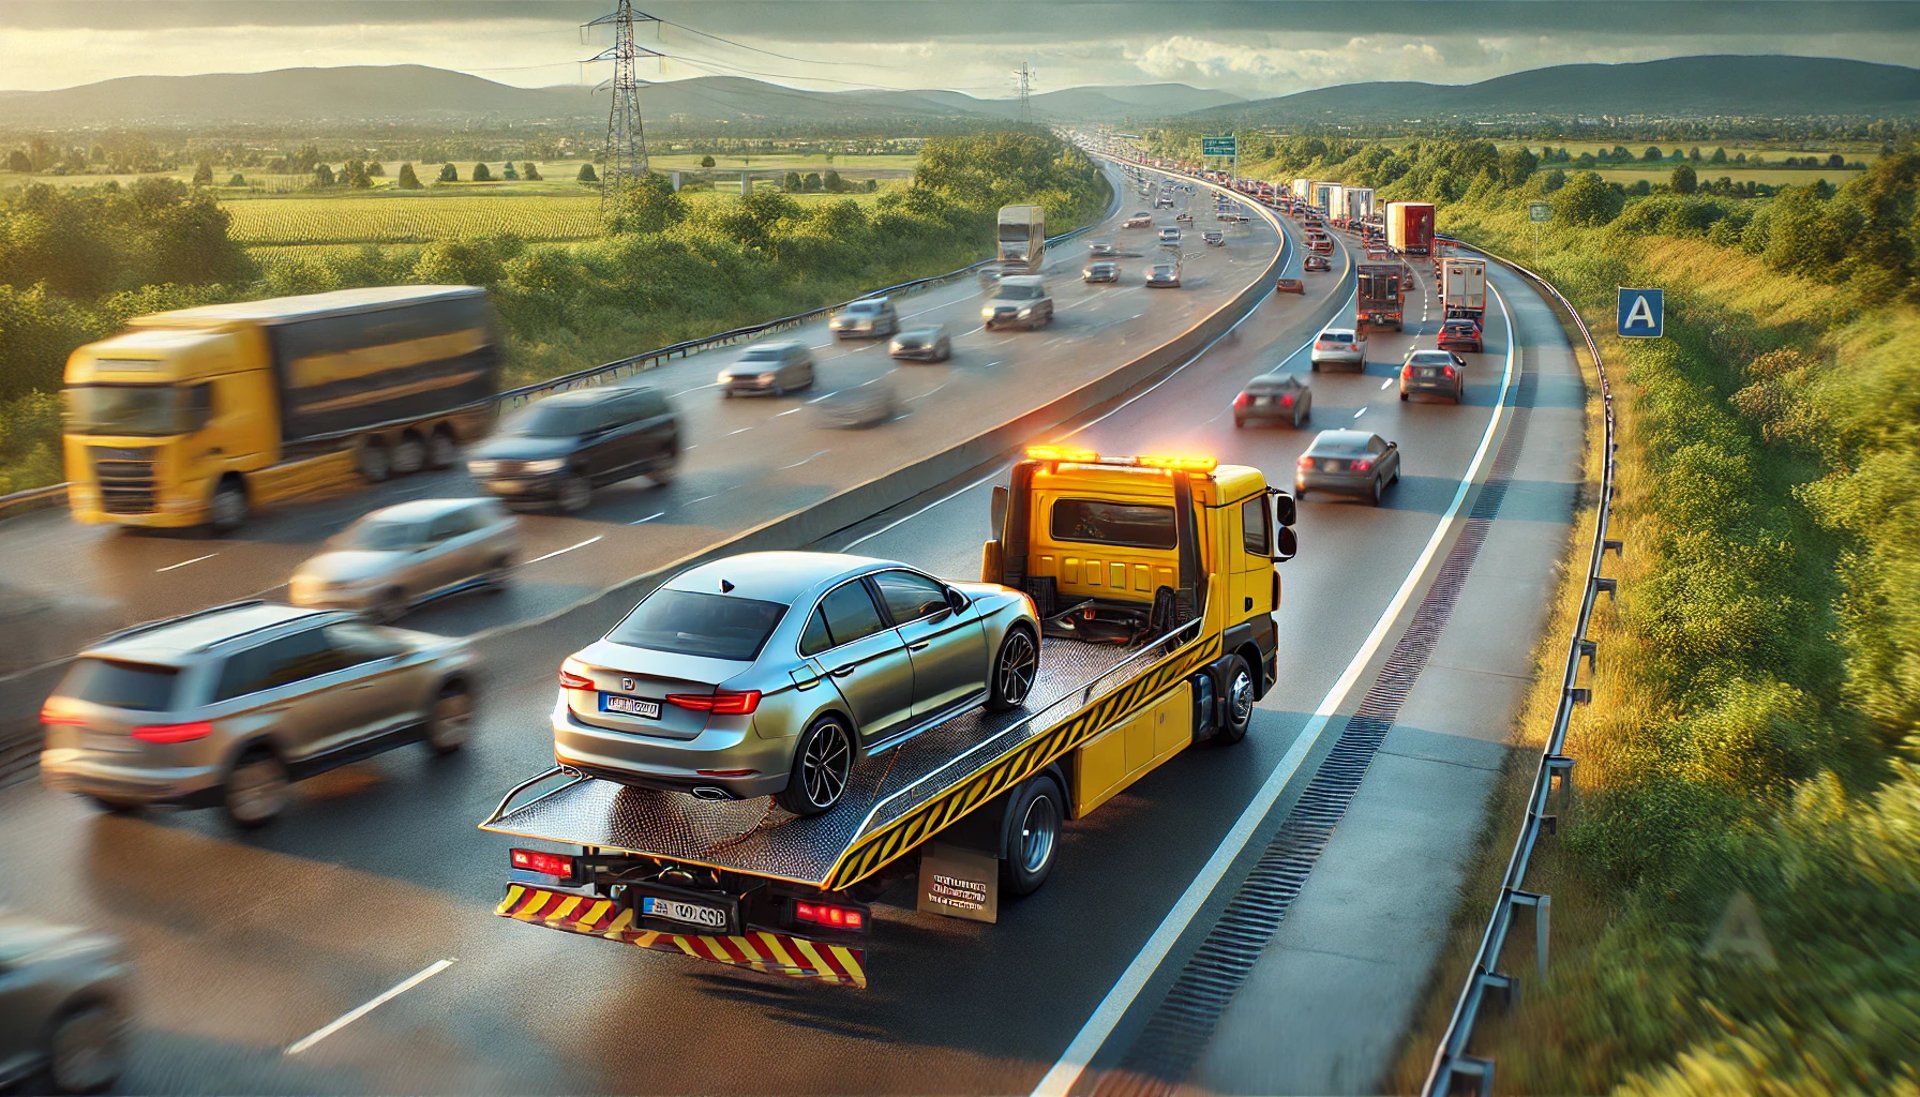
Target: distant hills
x=1678, y=87
x=417, y=93
x=1763, y=86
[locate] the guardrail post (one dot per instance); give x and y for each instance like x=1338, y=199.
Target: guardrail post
x=1606, y=586
x=1580, y=695
x=1541, y=905
x=1611, y=544
x=1589, y=650
x=1475, y=1071
x=1560, y=778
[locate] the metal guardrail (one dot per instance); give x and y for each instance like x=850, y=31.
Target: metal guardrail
x=1454, y=1068
x=35, y=498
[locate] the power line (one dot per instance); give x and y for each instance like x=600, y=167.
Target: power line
x=755, y=49
x=625, y=153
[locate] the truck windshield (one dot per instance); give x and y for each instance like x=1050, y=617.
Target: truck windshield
x=1011, y=233
x=148, y=410
x=692, y=623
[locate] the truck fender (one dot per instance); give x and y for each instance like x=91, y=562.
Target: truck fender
x=1256, y=640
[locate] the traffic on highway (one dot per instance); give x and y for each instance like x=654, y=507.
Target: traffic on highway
x=703, y=689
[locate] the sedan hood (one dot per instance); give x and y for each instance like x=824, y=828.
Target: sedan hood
x=349, y=565
x=520, y=447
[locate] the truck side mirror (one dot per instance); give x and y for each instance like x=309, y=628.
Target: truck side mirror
x=999, y=510
x=1285, y=543
x=1284, y=511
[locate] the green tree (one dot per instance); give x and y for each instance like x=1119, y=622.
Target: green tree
x=407, y=180
x=322, y=175
x=1719, y=156
x=1653, y=153
x=706, y=161
x=449, y=173
x=1517, y=165
x=1693, y=154
x=831, y=181
x=1836, y=161
x=481, y=174
x=793, y=184
x=872, y=185
x=1683, y=180
x=586, y=174
x=238, y=180
x=529, y=172
x=510, y=172
x=1587, y=199
x=649, y=205
x=1553, y=181
x=203, y=174
x=17, y=161
x=812, y=184
x=458, y=263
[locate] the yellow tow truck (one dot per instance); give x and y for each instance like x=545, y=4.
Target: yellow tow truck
x=1156, y=584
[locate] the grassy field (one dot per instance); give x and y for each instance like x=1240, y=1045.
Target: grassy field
x=1771, y=176
x=1863, y=152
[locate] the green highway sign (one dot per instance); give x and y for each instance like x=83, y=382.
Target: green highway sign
x=1219, y=146
x=1539, y=211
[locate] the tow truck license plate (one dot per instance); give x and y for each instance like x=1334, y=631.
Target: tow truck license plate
x=677, y=910
x=632, y=706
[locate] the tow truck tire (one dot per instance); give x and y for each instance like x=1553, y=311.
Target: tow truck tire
x=1031, y=842
x=1237, y=688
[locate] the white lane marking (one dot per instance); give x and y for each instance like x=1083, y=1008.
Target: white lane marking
x=355, y=1014
x=823, y=346
x=702, y=499
x=742, y=430
x=1359, y=413
x=1073, y=1062
x=793, y=411
x=929, y=392
x=870, y=381
x=648, y=518
x=996, y=362
x=803, y=460
x=975, y=331
x=684, y=449
x=569, y=548
x=822, y=396
x=1386, y=382
x=184, y=563
x=697, y=388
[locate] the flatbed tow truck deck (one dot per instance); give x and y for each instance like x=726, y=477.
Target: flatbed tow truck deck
x=757, y=838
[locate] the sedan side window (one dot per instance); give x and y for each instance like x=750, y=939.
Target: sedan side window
x=815, y=638
x=910, y=597
x=850, y=613
x=278, y=663
x=1375, y=446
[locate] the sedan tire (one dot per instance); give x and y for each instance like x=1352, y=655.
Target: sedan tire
x=1014, y=669
x=255, y=792
x=1378, y=491
x=450, y=720
x=822, y=766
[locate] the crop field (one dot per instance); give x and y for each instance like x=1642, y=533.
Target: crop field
x=398, y=220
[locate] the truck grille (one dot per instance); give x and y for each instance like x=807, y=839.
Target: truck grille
x=126, y=480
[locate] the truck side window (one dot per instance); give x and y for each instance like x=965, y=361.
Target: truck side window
x=1256, y=526
x=197, y=409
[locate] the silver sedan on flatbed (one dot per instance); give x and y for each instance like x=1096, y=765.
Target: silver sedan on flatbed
x=773, y=673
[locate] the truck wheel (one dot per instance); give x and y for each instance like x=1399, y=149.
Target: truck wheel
x=255, y=792
x=1014, y=667
x=410, y=456
x=1238, y=698
x=227, y=510
x=822, y=764
x=376, y=462
x=442, y=450
x=86, y=1048
x=450, y=719
x=1032, y=836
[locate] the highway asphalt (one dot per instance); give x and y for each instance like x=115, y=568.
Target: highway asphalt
x=248, y=946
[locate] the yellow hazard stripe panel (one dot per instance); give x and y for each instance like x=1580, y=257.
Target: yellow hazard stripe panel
x=757, y=950
x=877, y=849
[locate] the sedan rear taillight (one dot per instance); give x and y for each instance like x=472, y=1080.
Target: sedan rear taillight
x=1361, y=466
x=570, y=680
x=1447, y=372
x=173, y=733
x=1305, y=461
x=1239, y=401
x=47, y=719
x=1286, y=400
x=723, y=702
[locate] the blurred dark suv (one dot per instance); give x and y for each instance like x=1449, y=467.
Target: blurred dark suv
x=229, y=704
x=559, y=449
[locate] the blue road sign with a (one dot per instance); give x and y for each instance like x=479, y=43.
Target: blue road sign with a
x=1219, y=146
x=1641, y=313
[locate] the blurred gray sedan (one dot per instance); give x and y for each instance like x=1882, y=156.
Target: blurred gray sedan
x=1348, y=462
x=1101, y=249
x=400, y=556
x=773, y=673
x=63, y=1006
x=928, y=343
x=1104, y=270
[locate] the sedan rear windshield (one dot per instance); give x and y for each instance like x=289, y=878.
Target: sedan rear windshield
x=715, y=626
x=142, y=687
x=1338, y=337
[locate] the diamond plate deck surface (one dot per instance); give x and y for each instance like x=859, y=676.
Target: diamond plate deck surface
x=758, y=837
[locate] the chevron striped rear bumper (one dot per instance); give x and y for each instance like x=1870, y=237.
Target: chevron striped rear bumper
x=759, y=950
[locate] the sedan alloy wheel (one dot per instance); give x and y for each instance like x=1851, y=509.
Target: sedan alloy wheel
x=823, y=763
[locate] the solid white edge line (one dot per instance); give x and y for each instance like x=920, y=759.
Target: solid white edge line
x=358, y=1012
x=569, y=548
x=184, y=563
x=1059, y=1080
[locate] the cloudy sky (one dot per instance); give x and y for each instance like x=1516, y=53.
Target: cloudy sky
x=1248, y=48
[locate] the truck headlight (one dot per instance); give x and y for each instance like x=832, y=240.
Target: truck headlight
x=541, y=467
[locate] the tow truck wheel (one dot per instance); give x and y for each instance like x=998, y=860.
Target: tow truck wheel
x=822, y=763
x=1032, y=836
x=442, y=450
x=410, y=456
x=1238, y=710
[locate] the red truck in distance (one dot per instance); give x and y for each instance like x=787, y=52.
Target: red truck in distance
x=1410, y=227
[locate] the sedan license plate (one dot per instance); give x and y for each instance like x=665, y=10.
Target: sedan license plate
x=1428, y=371
x=1262, y=401
x=679, y=910
x=1332, y=466
x=631, y=706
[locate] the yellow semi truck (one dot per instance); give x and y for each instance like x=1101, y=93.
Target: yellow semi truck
x=1156, y=584
x=203, y=415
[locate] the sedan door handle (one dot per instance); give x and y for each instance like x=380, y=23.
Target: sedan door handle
x=844, y=671
x=921, y=646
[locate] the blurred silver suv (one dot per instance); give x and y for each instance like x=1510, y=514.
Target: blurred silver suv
x=229, y=704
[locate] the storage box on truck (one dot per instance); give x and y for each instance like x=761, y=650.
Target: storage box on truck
x=1380, y=294
x=1463, y=287
x=1021, y=239
x=1359, y=203
x=204, y=414
x=1410, y=227
x=1300, y=188
x=1155, y=582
